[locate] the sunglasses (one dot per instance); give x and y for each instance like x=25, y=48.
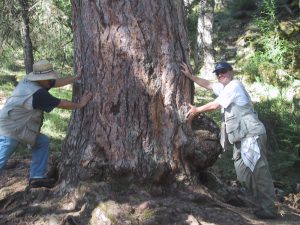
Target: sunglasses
x=221, y=71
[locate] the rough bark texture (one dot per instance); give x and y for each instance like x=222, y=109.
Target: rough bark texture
x=131, y=52
x=25, y=35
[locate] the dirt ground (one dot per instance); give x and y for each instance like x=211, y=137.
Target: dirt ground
x=118, y=202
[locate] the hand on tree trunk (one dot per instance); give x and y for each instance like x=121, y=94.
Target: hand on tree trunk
x=192, y=113
x=87, y=96
x=186, y=70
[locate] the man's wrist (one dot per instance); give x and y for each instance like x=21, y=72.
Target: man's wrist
x=198, y=109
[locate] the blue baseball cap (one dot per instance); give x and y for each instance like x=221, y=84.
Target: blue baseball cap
x=222, y=65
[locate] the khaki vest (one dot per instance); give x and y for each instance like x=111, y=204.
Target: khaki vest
x=240, y=122
x=16, y=120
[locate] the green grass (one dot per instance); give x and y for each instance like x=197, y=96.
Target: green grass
x=8, y=81
x=56, y=122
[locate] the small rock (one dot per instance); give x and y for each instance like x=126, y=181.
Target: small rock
x=99, y=218
x=143, y=206
x=191, y=220
x=53, y=220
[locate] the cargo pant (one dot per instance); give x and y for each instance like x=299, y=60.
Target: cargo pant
x=258, y=183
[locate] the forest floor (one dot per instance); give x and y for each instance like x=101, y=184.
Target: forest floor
x=122, y=202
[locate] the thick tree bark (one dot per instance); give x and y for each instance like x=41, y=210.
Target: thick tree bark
x=25, y=35
x=205, y=37
x=131, y=52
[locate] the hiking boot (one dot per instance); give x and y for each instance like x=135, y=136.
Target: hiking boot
x=42, y=182
x=264, y=215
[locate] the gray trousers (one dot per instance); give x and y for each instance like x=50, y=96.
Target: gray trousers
x=258, y=183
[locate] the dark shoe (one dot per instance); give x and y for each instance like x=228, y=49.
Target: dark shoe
x=42, y=182
x=264, y=215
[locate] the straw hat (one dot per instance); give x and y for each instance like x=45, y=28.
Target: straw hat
x=42, y=70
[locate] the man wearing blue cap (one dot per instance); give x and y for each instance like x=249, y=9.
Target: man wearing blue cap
x=242, y=128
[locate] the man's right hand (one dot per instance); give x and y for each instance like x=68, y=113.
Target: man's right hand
x=65, y=104
x=200, y=81
x=185, y=70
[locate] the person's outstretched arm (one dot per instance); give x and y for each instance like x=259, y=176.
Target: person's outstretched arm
x=65, y=104
x=60, y=82
x=194, y=111
x=200, y=81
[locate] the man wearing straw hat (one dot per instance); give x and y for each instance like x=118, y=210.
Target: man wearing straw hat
x=21, y=118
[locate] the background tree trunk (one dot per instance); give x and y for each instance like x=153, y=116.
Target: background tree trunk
x=205, y=37
x=195, y=53
x=25, y=35
x=131, y=52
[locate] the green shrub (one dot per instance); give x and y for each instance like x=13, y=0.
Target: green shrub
x=239, y=5
x=267, y=19
x=273, y=52
x=284, y=123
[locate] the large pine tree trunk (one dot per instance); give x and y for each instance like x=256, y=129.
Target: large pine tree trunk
x=131, y=52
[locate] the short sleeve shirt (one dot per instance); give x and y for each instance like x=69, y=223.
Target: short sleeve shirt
x=42, y=100
x=234, y=92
